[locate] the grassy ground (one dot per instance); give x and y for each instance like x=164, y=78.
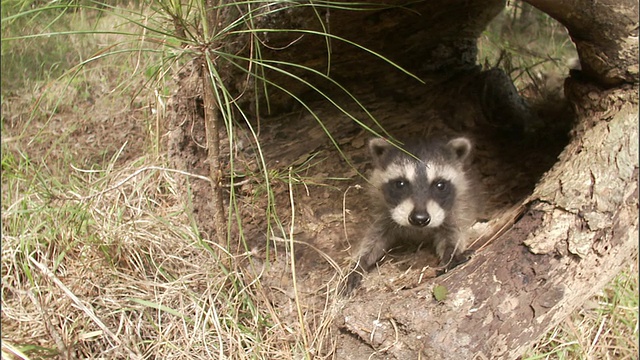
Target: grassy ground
x=98, y=249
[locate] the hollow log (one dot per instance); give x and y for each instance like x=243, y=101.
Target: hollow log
x=578, y=226
x=431, y=41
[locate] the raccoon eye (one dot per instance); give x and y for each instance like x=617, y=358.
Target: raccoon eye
x=400, y=183
x=441, y=186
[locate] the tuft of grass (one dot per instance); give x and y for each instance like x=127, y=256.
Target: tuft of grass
x=106, y=261
x=101, y=256
x=129, y=252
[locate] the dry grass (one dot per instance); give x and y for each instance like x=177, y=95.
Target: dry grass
x=100, y=257
x=122, y=273
x=108, y=263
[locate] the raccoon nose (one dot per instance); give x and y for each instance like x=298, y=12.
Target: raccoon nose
x=419, y=218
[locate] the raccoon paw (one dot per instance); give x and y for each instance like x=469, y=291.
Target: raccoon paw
x=350, y=283
x=454, y=261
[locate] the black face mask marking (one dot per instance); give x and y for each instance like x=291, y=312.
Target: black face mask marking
x=396, y=191
x=443, y=192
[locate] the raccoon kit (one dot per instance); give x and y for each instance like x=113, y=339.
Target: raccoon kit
x=422, y=195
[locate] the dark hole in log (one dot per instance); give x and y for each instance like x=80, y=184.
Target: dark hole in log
x=517, y=133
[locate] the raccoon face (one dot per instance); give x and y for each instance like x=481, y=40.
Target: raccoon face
x=421, y=189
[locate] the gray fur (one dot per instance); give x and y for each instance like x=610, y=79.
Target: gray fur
x=449, y=213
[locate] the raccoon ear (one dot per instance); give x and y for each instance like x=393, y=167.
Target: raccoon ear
x=461, y=147
x=378, y=146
